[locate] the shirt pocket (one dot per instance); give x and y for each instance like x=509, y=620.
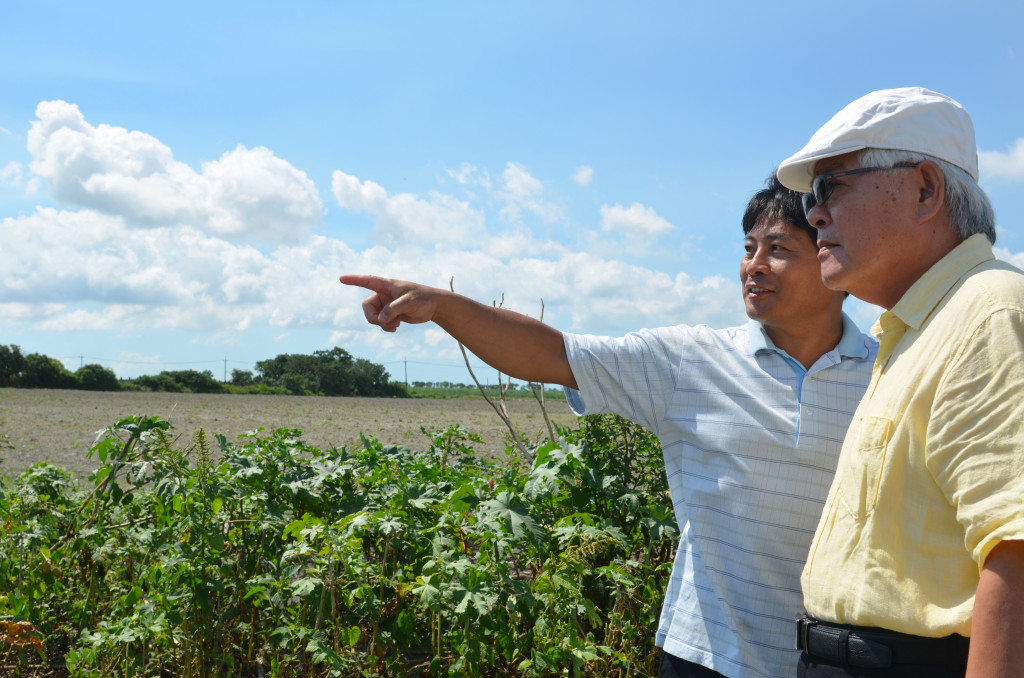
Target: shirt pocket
x=860, y=473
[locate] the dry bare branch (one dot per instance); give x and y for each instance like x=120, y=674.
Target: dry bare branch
x=500, y=407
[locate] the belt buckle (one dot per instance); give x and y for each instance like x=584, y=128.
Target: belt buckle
x=804, y=624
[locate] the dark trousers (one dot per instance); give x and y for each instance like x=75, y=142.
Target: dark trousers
x=675, y=667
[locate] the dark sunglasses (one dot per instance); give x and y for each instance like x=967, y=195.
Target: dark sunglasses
x=823, y=184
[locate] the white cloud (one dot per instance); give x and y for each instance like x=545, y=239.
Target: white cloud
x=521, y=244
x=407, y=219
x=635, y=219
x=189, y=268
x=246, y=193
x=583, y=175
x=1017, y=259
x=4, y=130
x=521, y=192
x=471, y=175
x=87, y=271
x=520, y=183
x=11, y=175
x=21, y=311
x=90, y=271
x=1008, y=165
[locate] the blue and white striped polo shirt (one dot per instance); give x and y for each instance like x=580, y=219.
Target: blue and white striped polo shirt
x=750, y=441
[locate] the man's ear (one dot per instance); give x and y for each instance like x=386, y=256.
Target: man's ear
x=931, y=190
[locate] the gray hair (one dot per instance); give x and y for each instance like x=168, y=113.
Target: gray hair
x=970, y=211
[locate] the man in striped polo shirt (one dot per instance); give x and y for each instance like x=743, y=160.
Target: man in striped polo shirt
x=751, y=420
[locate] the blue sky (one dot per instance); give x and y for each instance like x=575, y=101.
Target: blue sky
x=181, y=184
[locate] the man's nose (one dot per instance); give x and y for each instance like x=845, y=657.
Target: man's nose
x=759, y=261
x=818, y=217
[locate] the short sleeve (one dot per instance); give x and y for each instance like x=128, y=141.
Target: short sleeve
x=976, y=433
x=632, y=376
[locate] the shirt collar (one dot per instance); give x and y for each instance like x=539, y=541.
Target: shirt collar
x=851, y=344
x=920, y=300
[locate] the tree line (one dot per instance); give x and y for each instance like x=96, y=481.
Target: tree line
x=328, y=373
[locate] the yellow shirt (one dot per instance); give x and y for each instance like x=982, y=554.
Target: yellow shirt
x=931, y=475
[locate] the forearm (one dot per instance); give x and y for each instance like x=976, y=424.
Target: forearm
x=998, y=624
x=515, y=344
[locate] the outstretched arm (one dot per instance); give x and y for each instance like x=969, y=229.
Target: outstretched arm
x=515, y=344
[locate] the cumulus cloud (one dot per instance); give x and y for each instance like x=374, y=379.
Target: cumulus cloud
x=1008, y=165
x=407, y=219
x=155, y=246
x=523, y=192
x=583, y=175
x=519, y=193
x=635, y=219
x=89, y=270
x=246, y=193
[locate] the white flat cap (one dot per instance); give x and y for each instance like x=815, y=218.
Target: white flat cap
x=906, y=119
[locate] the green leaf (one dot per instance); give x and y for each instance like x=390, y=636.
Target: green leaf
x=129, y=599
x=464, y=498
x=515, y=514
x=429, y=591
x=351, y=635
x=305, y=586
x=544, y=481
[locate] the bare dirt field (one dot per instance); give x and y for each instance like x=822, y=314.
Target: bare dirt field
x=59, y=426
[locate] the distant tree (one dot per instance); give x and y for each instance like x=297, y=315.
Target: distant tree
x=296, y=383
x=12, y=364
x=179, y=381
x=44, y=372
x=370, y=378
x=197, y=382
x=96, y=378
x=332, y=373
x=159, y=382
x=241, y=377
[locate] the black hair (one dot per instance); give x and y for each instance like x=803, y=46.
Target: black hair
x=774, y=202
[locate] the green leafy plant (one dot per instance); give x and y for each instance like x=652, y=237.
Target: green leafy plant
x=265, y=556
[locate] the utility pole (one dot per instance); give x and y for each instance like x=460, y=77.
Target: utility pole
x=225, y=370
x=406, y=363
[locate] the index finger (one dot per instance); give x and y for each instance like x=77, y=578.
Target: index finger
x=371, y=282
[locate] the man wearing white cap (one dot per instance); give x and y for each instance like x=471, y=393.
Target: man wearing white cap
x=917, y=565
x=750, y=418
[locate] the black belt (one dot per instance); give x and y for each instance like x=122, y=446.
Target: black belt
x=877, y=648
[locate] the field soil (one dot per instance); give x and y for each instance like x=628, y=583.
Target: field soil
x=59, y=426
